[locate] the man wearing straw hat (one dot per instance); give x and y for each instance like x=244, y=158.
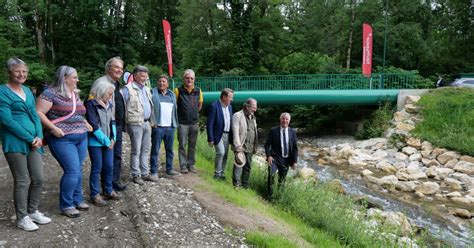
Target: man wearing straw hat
x=244, y=130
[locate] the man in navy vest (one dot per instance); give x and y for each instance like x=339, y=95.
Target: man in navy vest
x=219, y=130
x=281, y=151
x=189, y=99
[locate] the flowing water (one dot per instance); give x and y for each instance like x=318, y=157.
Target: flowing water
x=443, y=228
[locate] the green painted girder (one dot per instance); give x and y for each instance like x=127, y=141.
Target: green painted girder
x=313, y=97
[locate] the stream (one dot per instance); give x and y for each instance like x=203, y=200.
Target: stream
x=422, y=214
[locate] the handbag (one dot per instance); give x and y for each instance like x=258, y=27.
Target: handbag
x=64, y=117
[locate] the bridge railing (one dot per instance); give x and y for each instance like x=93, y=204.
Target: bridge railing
x=306, y=82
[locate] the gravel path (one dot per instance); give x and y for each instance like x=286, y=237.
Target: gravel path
x=161, y=214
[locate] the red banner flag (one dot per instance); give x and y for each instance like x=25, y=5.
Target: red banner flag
x=167, y=33
x=366, y=49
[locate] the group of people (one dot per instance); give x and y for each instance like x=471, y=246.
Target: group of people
x=72, y=128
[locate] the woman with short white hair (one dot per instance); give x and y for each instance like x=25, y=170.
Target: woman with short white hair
x=101, y=141
x=21, y=143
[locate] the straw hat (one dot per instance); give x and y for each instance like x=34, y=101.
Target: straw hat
x=239, y=160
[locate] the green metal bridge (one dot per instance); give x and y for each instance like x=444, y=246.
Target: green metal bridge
x=323, y=89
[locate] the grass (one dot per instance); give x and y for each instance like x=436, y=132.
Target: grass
x=314, y=212
x=251, y=201
x=378, y=122
x=448, y=119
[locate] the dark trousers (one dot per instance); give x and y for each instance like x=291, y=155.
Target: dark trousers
x=241, y=175
x=117, y=154
x=281, y=165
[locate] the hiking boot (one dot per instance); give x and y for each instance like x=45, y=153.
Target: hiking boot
x=192, y=169
x=184, y=171
x=27, y=224
x=138, y=180
x=151, y=178
x=114, y=196
x=71, y=212
x=39, y=218
x=99, y=201
x=172, y=173
x=82, y=206
x=119, y=186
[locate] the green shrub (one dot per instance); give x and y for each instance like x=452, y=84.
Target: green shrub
x=378, y=123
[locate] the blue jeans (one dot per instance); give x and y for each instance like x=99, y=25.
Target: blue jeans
x=101, y=166
x=159, y=134
x=118, y=153
x=70, y=151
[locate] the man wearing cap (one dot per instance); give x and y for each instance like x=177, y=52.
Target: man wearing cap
x=138, y=113
x=245, y=139
x=189, y=100
x=219, y=131
x=281, y=151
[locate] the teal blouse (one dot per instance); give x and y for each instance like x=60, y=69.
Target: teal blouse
x=19, y=122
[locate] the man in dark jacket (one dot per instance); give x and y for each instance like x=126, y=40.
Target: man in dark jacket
x=113, y=71
x=219, y=130
x=189, y=99
x=281, y=151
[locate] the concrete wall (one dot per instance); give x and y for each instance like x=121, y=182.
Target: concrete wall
x=404, y=93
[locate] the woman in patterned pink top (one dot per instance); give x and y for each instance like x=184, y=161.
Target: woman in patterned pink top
x=62, y=115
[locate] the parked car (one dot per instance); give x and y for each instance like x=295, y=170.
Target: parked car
x=463, y=82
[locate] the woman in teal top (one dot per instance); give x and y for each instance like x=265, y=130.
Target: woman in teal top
x=21, y=141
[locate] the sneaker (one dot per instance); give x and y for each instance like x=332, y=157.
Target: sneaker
x=172, y=173
x=82, y=206
x=27, y=224
x=99, y=201
x=191, y=169
x=151, y=178
x=138, y=180
x=71, y=212
x=114, y=196
x=119, y=186
x=39, y=218
x=184, y=171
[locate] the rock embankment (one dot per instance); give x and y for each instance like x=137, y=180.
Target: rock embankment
x=401, y=162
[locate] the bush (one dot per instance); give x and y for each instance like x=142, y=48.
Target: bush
x=376, y=125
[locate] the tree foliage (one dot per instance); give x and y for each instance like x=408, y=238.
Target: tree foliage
x=228, y=37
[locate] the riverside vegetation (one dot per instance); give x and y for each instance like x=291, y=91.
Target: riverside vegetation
x=322, y=216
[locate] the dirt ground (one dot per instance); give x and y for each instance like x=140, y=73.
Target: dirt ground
x=171, y=212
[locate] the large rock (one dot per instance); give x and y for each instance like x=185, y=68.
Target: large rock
x=404, y=127
x=451, y=163
x=360, y=159
x=430, y=162
x=427, y=188
x=379, y=154
x=306, y=173
x=401, y=156
x=409, y=150
x=384, y=165
x=366, y=172
x=467, y=180
x=401, y=116
x=467, y=159
x=453, y=183
x=406, y=186
x=412, y=109
x=437, y=151
x=388, y=181
x=465, y=167
x=415, y=157
x=460, y=212
x=414, y=142
x=371, y=143
x=445, y=157
x=426, y=146
x=397, y=219
x=466, y=200
x=412, y=99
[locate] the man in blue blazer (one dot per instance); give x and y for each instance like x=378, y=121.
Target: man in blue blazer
x=219, y=130
x=281, y=151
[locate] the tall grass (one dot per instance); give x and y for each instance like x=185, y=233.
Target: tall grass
x=378, y=122
x=448, y=119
